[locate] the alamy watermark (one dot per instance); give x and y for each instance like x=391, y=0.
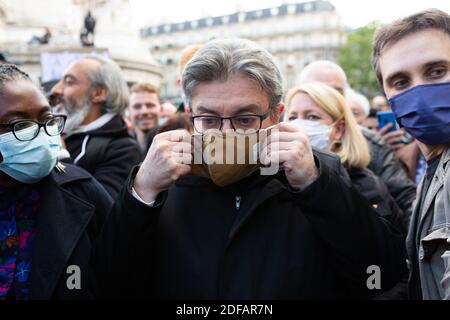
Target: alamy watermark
x=374, y=280
x=74, y=279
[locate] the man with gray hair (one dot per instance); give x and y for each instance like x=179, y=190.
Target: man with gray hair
x=225, y=230
x=359, y=104
x=94, y=94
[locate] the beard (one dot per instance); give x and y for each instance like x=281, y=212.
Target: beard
x=76, y=112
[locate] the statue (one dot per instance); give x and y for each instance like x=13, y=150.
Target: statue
x=87, y=33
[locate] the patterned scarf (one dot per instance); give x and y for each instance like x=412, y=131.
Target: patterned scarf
x=18, y=210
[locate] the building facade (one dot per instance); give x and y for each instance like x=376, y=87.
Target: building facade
x=20, y=20
x=296, y=34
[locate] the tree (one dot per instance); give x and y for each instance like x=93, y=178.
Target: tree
x=355, y=57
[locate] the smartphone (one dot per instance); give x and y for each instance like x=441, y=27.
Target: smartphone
x=386, y=117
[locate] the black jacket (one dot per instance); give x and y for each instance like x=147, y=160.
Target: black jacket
x=376, y=191
x=386, y=166
x=257, y=239
x=72, y=211
x=110, y=153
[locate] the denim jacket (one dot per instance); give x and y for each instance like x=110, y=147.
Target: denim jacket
x=428, y=241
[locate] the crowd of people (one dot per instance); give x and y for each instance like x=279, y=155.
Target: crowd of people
x=106, y=178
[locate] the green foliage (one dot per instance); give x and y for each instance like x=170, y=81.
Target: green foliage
x=355, y=57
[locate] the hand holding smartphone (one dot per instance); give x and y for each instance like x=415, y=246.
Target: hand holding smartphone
x=386, y=117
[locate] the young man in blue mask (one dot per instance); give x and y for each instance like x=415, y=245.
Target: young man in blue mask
x=49, y=214
x=412, y=61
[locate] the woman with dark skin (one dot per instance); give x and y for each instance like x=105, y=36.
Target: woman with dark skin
x=50, y=214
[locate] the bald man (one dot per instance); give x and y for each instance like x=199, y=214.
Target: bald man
x=380, y=103
x=326, y=72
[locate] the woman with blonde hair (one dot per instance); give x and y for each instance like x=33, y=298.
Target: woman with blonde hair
x=329, y=122
x=320, y=103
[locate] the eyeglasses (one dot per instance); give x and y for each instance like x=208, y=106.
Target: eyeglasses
x=242, y=122
x=26, y=130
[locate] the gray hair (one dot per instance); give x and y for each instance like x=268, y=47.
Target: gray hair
x=217, y=60
x=360, y=99
x=110, y=77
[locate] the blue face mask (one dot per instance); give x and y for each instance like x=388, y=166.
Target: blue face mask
x=29, y=161
x=424, y=112
x=318, y=133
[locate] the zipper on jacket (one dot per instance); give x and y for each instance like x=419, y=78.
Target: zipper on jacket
x=238, y=202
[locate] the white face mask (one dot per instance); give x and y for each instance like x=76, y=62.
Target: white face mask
x=29, y=161
x=318, y=133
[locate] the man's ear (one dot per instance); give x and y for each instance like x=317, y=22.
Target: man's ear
x=187, y=109
x=99, y=95
x=276, y=114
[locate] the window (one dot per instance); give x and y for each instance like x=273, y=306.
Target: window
x=241, y=17
x=292, y=9
x=274, y=12
x=307, y=6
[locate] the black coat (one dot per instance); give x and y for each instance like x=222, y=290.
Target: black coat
x=203, y=242
x=72, y=211
x=376, y=191
x=386, y=166
x=110, y=153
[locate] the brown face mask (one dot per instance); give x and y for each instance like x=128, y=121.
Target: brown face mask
x=225, y=158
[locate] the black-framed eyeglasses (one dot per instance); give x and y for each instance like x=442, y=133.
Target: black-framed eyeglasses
x=26, y=130
x=240, y=123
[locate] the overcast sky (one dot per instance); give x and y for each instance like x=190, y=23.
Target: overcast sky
x=355, y=13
